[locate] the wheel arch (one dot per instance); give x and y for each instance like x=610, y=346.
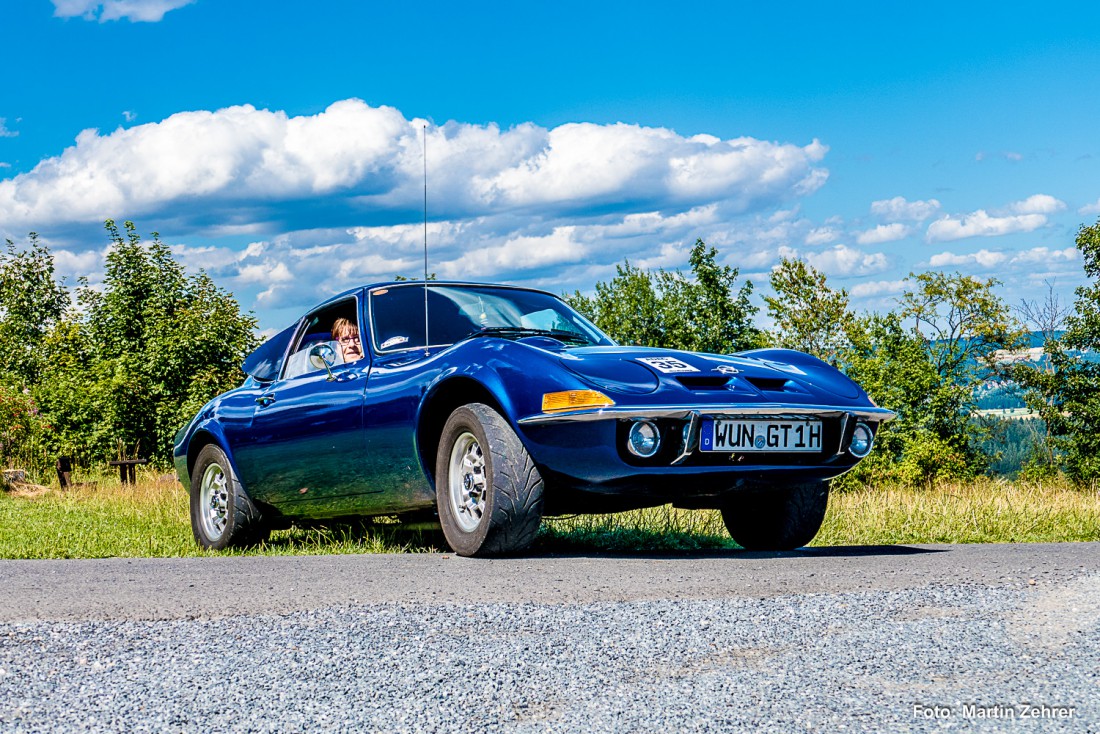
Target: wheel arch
x=203, y=436
x=437, y=406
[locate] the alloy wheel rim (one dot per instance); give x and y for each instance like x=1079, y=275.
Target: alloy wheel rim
x=214, y=502
x=466, y=482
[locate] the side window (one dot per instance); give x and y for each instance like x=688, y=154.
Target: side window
x=336, y=325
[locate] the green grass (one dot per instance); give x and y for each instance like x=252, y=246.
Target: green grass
x=149, y=519
x=106, y=519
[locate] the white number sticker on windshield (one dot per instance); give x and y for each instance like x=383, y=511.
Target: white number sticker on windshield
x=667, y=364
x=393, y=341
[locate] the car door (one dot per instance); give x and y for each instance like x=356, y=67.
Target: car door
x=304, y=451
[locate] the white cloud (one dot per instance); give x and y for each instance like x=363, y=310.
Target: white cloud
x=655, y=222
x=1037, y=204
x=877, y=288
x=1008, y=155
x=841, y=260
x=150, y=11
x=129, y=115
x=899, y=209
x=4, y=165
x=256, y=170
x=72, y=265
x=1020, y=260
x=884, y=233
x=4, y=131
x=1090, y=208
x=1025, y=215
x=783, y=215
x=981, y=224
x=208, y=257
x=985, y=258
x=265, y=273
x=518, y=253
x=821, y=236
x=607, y=163
x=1044, y=256
x=552, y=208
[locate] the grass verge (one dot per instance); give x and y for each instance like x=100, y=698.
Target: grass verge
x=150, y=519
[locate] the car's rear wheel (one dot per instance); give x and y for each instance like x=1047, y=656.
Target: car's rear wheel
x=488, y=490
x=777, y=518
x=222, y=514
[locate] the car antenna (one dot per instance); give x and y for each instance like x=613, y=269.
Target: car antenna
x=424, y=131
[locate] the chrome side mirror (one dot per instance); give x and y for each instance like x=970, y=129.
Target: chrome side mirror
x=323, y=355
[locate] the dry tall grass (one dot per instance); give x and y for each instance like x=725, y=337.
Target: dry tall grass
x=982, y=511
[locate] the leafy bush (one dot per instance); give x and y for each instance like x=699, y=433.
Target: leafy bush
x=125, y=371
x=22, y=429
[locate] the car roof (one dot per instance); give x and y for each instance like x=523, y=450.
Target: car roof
x=396, y=283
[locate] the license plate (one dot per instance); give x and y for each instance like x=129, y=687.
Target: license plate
x=725, y=434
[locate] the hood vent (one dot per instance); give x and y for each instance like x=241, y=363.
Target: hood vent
x=769, y=384
x=703, y=382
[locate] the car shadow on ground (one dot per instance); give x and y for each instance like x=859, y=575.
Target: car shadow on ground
x=843, y=551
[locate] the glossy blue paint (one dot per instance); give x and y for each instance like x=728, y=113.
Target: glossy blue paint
x=364, y=440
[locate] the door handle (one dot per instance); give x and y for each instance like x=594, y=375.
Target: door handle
x=346, y=376
x=265, y=400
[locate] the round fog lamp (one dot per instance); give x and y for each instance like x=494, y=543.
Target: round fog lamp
x=862, y=438
x=644, y=439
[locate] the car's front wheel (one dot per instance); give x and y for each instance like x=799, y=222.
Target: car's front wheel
x=222, y=514
x=488, y=489
x=777, y=518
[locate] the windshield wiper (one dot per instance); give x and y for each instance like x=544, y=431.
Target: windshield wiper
x=522, y=331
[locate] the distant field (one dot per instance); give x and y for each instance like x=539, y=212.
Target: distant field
x=1009, y=414
x=107, y=519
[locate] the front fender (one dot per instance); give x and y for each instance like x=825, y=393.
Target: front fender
x=511, y=377
x=199, y=433
x=517, y=375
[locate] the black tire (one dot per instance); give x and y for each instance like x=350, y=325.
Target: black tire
x=777, y=518
x=227, y=518
x=502, y=507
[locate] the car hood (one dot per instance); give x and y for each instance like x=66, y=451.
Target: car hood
x=641, y=370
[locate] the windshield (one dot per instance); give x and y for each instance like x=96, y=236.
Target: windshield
x=462, y=312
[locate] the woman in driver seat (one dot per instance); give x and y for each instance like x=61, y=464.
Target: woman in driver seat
x=346, y=335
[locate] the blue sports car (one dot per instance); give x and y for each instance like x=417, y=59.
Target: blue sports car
x=485, y=408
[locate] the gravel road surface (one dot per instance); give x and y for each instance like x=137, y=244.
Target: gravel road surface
x=915, y=638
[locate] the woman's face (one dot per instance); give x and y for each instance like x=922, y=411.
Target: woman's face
x=351, y=349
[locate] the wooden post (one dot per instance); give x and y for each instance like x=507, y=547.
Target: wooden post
x=64, y=467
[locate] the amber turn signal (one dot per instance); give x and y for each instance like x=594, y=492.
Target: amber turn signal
x=575, y=400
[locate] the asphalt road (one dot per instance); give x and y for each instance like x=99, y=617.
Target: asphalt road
x=904, y=638
x=183, y=588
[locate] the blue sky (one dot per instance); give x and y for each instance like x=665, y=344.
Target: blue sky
x=278, y=145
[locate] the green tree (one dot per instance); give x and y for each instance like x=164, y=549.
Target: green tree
x=923, y=361
x=628, y=309
x=1067, y=396
x=32, y=301
x=968, y=328
x=808, y=315
x=706, y=311
x=930, y=438
x=128, y=368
